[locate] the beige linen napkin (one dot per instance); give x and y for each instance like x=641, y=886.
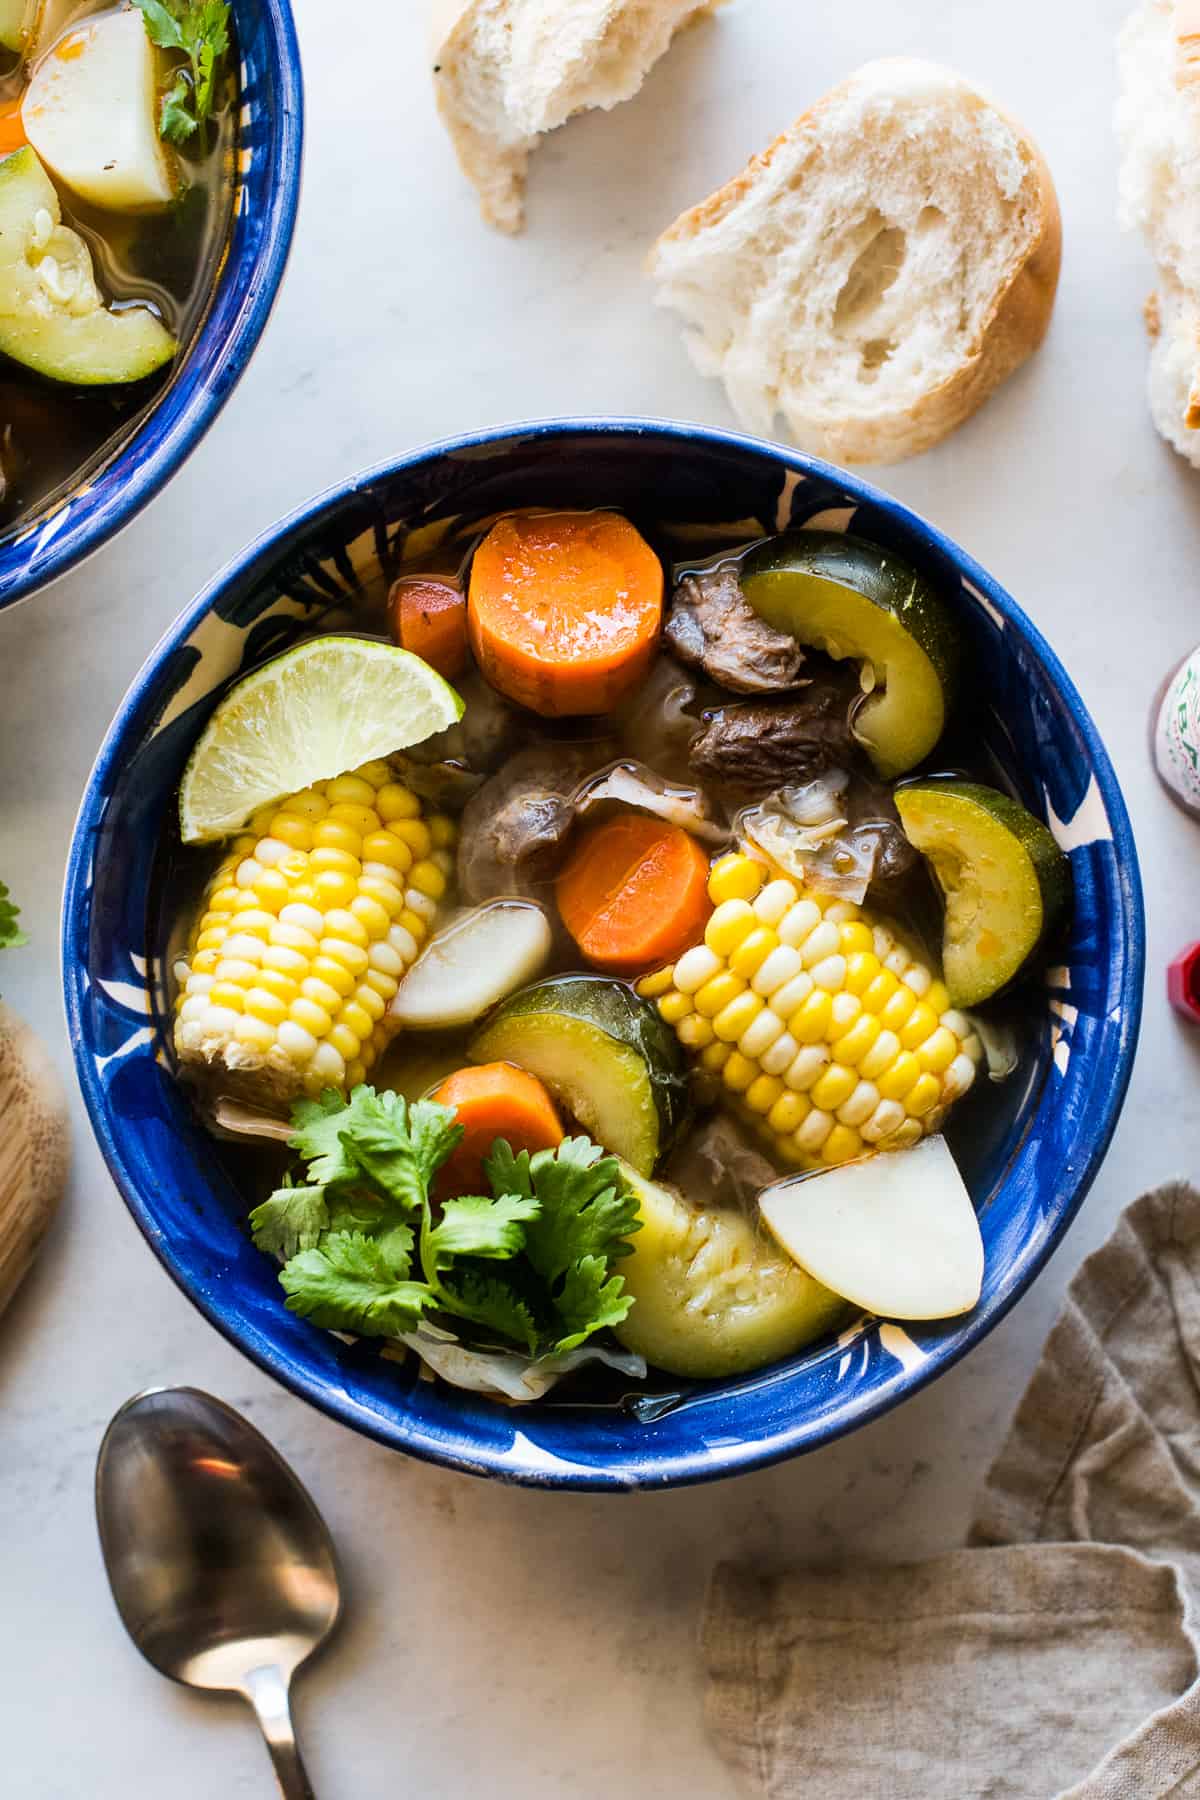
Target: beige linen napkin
x=1059, y=1656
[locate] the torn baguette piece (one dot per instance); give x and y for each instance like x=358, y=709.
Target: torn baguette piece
x=876, y=272
x=1158, y=125
x=508, y=71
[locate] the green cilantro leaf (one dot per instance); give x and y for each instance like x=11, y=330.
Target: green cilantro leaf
x=11, y=935
x=476, y=1226
x=588, y=1300
x=292, y=1219
x=177, y=122
x=494, y=1305
x=350, y=1284
x=588, y=1208
x=319, y=1125
x=399, y=1148
x=198, y=30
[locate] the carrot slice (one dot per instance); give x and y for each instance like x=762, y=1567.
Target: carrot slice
x=494, y=1100
x=12, y=128
x=564, y=610
x=429, y=617
x=634, y=893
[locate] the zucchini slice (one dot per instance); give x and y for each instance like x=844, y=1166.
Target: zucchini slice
x=1005, y=880
x=601, y=1051
x=846, y=597
x=713, y=1294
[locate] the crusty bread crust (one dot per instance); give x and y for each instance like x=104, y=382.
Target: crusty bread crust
x=1013, y=329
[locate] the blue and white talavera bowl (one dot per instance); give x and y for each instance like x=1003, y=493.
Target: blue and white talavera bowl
x=266, y=195
x=1030, y=1164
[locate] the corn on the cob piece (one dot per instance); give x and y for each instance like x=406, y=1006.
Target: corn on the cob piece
x=825, y=1030
x=304, y=934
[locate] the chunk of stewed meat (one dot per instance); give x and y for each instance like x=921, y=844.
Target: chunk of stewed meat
x=514, y=830
x=755, y=746
x=713, y=627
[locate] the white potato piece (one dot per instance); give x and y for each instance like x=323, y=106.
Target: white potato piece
x=478, y=960
x=91, y=113
x=895, y=1233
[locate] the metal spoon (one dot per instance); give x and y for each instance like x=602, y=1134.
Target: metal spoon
x=221, y=1566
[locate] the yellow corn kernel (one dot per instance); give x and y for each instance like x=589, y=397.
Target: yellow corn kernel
x=213, y=938
x=267, y=1007
x=694, y=1032
x=443, y=831
x=355, y=1072
x=856, y=937
x=332, y=834
x=412, y=923
x=310, y=804
x=938, y=997
x=788, y=1113
x=345, y=1041
x=938, y=1051
x=880, y=1056
x=274, y=983
x=333, y=973
x=223, y=900
x=272, y=890
x=834, y=1088
x=396, y=802
x=777, y=898
x=739, y=1072
x=716, y=994
x=369, y=1002
x=861, y=1037
x=361, y=820
x=384, y=847
x=341, y=923
x=389, y=896
x=675, y=1007
x=715, y=1057
x=414, y=833
x=350, y=790
x=876, y=996
x=753, y=951
x=326, y=856
x=381, y=983
x=334, y=889
x=733, y=920
x=296, y=833
x=735, y=877
x=737, y=1017
x=924, y=1094
x=378, y=773
x=899, y=1008
x=862, y=966
x=204, y=962
x=257, y=1034
x=314, y=1018
x=763, y=1092
x=352, y=957
x=370, y=914
x=896, y=1082
x=841, y=1145
x=227, y=993
x=322, y=994
x=810, y=1022
x=650, y=987
x=427, y=878
x=922, y=1023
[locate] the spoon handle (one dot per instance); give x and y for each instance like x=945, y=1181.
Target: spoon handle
x=267, y=1692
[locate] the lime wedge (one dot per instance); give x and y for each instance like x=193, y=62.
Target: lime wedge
x=319, y=710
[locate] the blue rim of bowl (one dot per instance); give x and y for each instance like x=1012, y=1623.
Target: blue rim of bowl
x=682, y=1468
x=212, y=367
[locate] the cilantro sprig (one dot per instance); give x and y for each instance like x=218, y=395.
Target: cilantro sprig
x=11, y=935
x=366, y=1249
x=199, y=30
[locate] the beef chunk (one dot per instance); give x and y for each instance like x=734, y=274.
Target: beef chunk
x=515, y=828
x=755, y=746
x=713, y=627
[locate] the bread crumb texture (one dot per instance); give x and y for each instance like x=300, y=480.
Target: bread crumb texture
x=508, y=71
x=1158, y=125
x=876, y=272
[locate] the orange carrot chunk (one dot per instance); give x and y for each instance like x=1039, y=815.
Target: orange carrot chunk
x=634, y=893
x=494, y=1100
x=12, y=128
x=564, y=610
x=429, y=617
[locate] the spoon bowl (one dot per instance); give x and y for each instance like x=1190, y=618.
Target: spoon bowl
x=221, y=1566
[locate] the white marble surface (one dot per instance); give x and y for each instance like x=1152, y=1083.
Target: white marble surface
x=500, y=1642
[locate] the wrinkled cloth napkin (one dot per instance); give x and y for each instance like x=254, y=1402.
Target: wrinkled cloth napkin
x=1059, y=1655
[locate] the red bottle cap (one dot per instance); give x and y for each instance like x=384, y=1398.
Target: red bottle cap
x=1183, y=983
